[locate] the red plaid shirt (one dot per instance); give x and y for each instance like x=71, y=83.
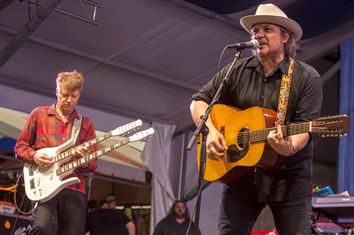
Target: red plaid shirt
x=44, y=128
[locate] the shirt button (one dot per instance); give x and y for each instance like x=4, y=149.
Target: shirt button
x=265, y=80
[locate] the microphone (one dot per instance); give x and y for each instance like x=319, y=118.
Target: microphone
x=253, y=44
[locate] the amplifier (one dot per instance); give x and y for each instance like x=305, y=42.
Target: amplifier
x=340, y=209
x=9, y=224
x=7, y=207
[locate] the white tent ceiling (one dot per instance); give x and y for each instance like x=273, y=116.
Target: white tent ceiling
x=141, y=58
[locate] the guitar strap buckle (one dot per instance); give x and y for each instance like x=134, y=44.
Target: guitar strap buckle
x=76, y=128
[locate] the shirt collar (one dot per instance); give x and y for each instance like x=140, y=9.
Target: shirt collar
x=53, y=111
x=283, y=66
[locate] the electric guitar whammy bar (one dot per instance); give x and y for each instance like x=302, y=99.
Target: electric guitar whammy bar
x=41, y=184
x=246, y=133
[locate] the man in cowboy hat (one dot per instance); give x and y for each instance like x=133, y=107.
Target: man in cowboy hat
x=257, y=81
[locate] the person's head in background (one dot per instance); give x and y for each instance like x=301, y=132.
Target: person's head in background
x=111, y=200
x=103, y=204
x=179, y=210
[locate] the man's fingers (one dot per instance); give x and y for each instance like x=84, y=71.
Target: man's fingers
x=214, y=152
x=82, y=151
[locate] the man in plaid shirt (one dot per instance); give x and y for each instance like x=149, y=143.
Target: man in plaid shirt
x=50, y=126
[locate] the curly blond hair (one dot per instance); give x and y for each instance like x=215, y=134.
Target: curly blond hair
x=72, y=80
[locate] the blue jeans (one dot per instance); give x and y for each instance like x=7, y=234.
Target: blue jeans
x=69, y=207
x=238, y=215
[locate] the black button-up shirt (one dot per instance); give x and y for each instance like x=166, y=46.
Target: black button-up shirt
x=248, y=86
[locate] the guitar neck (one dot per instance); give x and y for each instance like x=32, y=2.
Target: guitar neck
x=288, y=130
x=81, y=161
x=70, y=152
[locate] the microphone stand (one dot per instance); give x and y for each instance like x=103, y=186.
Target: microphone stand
x=204, y=130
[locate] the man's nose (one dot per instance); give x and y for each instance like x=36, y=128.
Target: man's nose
x=70, y=99
x=258, y=35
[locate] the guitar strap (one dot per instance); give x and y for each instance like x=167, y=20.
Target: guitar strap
x=284, y=93
x=76, y=129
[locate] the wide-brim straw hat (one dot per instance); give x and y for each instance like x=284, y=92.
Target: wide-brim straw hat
x=269, y=13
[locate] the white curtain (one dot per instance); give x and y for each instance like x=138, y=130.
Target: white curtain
x=175, y=171
x=157, y=156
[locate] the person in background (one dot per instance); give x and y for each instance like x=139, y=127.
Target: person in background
x=111, y=200
x=128, y=211
x=177, y=221
x=256, y=81
x=51, y=126
x=109, y=221
x=103, y=204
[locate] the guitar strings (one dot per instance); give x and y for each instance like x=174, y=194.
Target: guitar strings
x=245, y=137
x=260, y=135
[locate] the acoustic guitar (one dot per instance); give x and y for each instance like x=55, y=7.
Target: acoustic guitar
x=246, y=133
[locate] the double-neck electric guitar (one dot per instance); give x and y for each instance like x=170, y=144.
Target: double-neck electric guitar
x=41, y=184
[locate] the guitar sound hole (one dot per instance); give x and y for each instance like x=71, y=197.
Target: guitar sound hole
x=243, y=138
x=236, y=152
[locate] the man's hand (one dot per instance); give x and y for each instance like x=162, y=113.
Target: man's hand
x=82, y=151
x=42, y=160
x=216, y=144
x=281, y=145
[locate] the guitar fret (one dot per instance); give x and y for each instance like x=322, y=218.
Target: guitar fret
x=89, y=143
x=118, y=131
x=246, y=137
x=69, y=166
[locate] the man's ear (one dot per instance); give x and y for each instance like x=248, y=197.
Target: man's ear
x=285, y=37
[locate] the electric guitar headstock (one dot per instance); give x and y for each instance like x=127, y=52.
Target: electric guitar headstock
x=127, y=128
x=141, y=135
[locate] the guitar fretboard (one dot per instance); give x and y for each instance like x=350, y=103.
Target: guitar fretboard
x=70, y=152
x=79, y=162
x=261, y=135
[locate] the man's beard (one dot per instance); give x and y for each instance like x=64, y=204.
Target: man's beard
x=180, y=214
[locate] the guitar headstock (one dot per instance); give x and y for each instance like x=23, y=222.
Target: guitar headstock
x=332, y=126
x=141, y=135
x=127, y=128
